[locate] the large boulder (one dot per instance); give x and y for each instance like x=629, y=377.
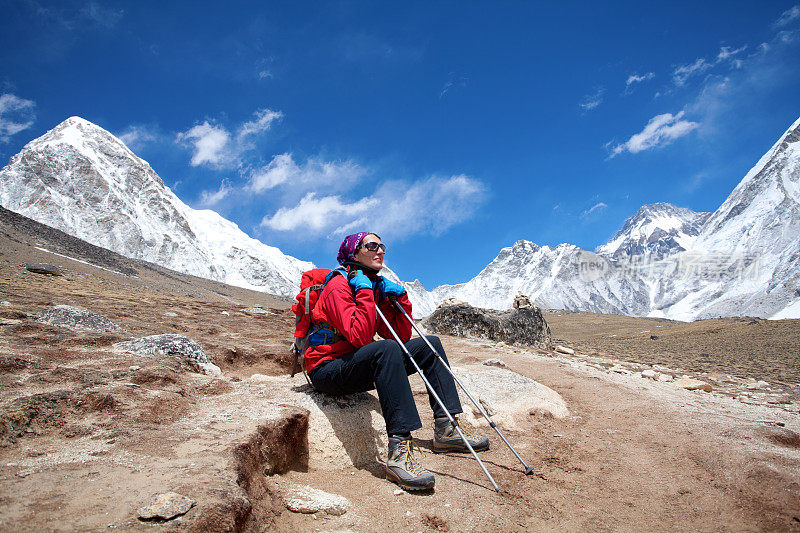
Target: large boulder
x=76, y=319
x=343, y=431
x=524, y=325
x=168, y=344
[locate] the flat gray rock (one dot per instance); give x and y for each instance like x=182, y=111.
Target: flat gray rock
x=166, y=506
x=508, y=397
x=170, y=343
x=41, y=268
x=257, y=311
x=305, y=499
x=76, y=319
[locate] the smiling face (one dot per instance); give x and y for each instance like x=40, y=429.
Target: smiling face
x=373, y=260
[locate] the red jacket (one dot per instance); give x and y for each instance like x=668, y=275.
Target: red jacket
x=355, y=319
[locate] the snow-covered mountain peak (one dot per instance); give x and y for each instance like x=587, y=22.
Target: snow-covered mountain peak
x=657, y=229
x=81, y=179
x=768, y=196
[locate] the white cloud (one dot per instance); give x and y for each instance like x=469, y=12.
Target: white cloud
x=635, y=78
x=433, y=205
x=684, y=72
x=264, y=119
x=596, y=208
x=793, y=13
x=396, y=209
x=16, y=115
x=210, y=198
x=727, y=52
x=314, y=173
x=106, y=17
x=215, y=146
x=695, y=182
x=210, y=143
x=455, y=82
x=317, y=214
x=136, y=137
x=591, y=101
x=661, y=130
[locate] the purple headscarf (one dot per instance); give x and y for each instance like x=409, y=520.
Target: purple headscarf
x=347, y=250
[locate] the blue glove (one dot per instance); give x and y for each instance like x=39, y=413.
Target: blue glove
x=389, y=288
x=360, y=281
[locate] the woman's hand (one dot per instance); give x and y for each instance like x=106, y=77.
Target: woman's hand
x=360, y=281
x=389, y=288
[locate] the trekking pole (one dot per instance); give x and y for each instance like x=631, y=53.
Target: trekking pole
x=528, y=469
x=438, y=400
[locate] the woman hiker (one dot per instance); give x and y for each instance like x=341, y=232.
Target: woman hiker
x=353, y=362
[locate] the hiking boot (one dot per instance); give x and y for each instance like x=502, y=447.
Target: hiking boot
x=403, y=469
x=447, y=439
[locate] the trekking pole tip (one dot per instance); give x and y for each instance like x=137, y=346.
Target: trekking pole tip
x=529, y=471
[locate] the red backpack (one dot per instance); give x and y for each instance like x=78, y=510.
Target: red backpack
x=311, y=285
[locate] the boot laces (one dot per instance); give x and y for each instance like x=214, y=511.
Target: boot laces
x=405, y=449
x=470, y=436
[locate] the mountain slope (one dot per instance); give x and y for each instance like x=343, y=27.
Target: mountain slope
x=81, y=179
x=755, y=234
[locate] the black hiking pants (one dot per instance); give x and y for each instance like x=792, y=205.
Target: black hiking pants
x=382, y=365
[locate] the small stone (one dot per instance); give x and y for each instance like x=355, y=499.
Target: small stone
x=5, y=303
x=693, y=384
x=398, y=492
x=565, y=350
x=134, y=368
x=522, y=302
x=166, y=506
x=449, y=302
x=170, y=313
x=649, y=374
x=308, y=500
x=665, y=378
x=257, y=311
x=225, y=313
x=758, y=385
x=619, y=369
x=495, y=362
x=40, y=268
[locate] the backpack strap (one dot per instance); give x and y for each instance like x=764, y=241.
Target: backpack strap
x=324, y=333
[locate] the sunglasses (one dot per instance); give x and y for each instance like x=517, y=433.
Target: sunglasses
x=372, y=246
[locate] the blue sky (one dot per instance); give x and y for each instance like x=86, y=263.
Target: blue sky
x=452, y=129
